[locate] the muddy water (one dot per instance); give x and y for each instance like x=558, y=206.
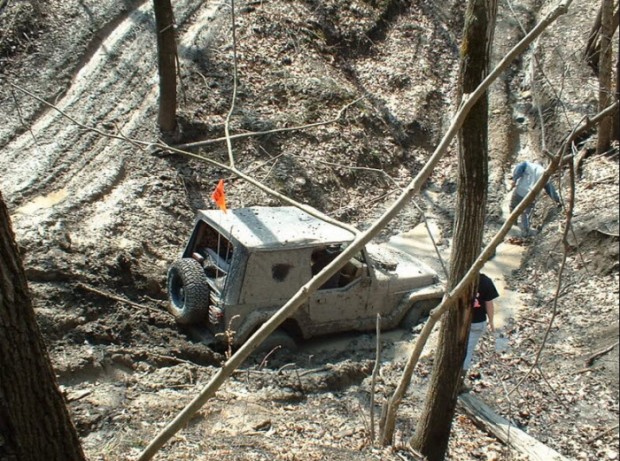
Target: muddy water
x=43, y=201
x=508, y=258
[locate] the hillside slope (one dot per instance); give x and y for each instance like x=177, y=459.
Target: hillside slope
x=99, y=218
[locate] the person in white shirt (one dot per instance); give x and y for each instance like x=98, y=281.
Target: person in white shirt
x=524, y=176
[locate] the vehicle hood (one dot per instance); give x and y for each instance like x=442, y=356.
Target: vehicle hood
x=404, y=270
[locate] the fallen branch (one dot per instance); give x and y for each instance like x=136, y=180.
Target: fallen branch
x=506, y=431
x=105, y=294
x=602, y=434
x=598, y=354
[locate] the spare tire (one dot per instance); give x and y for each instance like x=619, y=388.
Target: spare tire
x=188, y=292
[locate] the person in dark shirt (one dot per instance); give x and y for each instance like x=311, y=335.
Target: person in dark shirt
x=483, y=309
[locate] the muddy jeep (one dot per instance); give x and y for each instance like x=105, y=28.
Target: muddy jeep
x=241, y=266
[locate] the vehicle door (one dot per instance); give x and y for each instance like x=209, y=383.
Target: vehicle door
x=342, y=301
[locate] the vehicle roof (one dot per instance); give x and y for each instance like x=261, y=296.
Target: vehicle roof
x=272, y=227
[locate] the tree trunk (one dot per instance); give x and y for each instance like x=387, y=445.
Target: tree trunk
x=604, y=76
x=166, y=52
x=433, y=428
x=34, y=420
x=593, y=47
x=616, y=119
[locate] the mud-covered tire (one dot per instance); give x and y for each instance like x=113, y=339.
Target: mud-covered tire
x=188, y=292
x=417, y=312
x=278, y=339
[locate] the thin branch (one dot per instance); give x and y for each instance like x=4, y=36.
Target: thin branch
x=106, y=294
x=21, y=119
x=598, y=354
x=266, y=132
x=373, y=381
x=355, y=168
x=553, y=391
x=602, y=434
x=231, y=157
x=430, y=235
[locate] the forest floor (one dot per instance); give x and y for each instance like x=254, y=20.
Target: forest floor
x=99, y=219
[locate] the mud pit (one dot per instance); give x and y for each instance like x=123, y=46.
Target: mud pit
x=99, y=219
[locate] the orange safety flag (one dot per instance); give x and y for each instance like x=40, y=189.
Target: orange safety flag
x=219, y=197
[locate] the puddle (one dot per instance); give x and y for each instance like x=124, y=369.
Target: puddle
x=507, y=258
x=43, y=201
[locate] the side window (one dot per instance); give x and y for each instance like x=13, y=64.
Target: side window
x=322, y=257
x=351, y=271
x=348, y=274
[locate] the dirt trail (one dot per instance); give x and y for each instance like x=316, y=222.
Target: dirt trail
x=57, y=169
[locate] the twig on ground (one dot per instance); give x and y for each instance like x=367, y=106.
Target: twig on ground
x=600, y=353
x=602, y=434
x=105, y=294
x=585, y=370
x=557, y=396
x=174, y=359
x=21, y=118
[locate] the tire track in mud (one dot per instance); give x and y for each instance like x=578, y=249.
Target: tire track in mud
x=69, y=171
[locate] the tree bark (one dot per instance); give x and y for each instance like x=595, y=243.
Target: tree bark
x=604, y=76
x=433, y=428
x=166, y=53
x=34, y=421
x=615, y=131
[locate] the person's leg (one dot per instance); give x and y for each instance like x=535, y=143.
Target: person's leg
x=515, y=200
x=527, y=219
x=523, y=220
x=476, y=331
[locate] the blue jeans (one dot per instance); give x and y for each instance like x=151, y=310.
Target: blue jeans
x=527, y=214
x=476, y=331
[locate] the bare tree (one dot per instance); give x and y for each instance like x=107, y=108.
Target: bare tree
x=167, y=53
x=34, y=420
x=593, y=47
x=433, y=428
x=604, y=76
x=616, y=127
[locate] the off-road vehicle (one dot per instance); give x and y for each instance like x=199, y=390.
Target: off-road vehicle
x=240, y=266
